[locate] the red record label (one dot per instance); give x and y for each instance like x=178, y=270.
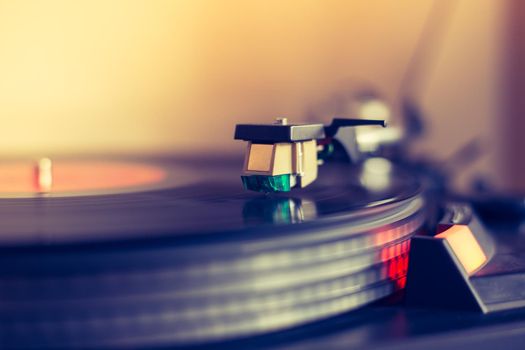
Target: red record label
x=79, y=177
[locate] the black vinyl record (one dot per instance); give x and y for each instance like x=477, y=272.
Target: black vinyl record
x=194, y=257
x=198, y=201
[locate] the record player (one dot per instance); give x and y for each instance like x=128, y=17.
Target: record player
x=173, y=252
x=331, y=233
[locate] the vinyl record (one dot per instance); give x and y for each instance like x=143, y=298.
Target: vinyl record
x=195, y=202
x=182, y=254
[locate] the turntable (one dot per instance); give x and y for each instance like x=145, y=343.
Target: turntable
x=173, y=252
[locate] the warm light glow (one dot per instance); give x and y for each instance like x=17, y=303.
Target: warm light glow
x=376, y=174
x=149, y=76
x=374, y=109
x=465, y=247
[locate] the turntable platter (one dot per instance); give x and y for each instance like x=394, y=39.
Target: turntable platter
x=189, y=257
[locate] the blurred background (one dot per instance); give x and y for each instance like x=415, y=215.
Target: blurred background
x=175, y=76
